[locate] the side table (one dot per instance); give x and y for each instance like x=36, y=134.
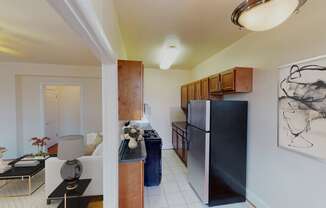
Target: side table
x=74, y=197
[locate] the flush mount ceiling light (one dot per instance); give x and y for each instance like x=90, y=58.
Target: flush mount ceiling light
x=168, y=56
x=261, y=15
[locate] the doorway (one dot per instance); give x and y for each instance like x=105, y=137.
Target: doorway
x=62, y=111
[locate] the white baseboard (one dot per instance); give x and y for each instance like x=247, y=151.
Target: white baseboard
x=254, y=201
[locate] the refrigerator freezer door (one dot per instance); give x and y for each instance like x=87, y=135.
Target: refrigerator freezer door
x=228, y=144
x=199, y=114
x=198, y=161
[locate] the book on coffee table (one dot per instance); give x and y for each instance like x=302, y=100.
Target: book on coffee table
x=30, y=163
x=31, y=157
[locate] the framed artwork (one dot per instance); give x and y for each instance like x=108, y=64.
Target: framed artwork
x=302, y=107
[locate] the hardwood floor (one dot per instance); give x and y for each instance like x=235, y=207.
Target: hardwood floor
x=96, y=204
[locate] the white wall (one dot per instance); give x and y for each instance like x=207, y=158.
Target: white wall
x=162, y=93
x=276, y=178
x=70, y=102
x=8, y=115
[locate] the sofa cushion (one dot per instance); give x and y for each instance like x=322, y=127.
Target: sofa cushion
x=98, y=151
x=89, y=149
x=90, y=138
x=98, y=140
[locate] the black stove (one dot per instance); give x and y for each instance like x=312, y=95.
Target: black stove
x=153, y=163
x=151, y=134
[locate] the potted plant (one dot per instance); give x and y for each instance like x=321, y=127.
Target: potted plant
x=40, y=143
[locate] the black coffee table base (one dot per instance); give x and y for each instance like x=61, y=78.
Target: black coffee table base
x=73, y=198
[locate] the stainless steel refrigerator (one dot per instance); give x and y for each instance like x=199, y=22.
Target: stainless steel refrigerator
x=217, y=154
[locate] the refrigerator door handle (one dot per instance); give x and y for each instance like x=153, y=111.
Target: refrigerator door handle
x=188, y=139
x=207, y=158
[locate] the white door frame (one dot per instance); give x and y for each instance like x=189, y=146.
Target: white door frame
x=81, y=16
x=63, y=83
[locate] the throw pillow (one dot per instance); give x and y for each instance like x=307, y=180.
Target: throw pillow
x=98, y=140
x=89, y=149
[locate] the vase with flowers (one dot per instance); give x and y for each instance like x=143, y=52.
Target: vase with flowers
x=40, y=143
x=133, y=134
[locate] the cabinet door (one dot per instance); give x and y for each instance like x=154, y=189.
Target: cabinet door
x=198, y=95
x=184, y=96
x=227, y=80
x=243, y=79
x=204, y=89
x=185, y=150
x=130, y=86
x=191, y=91
x=131, y=185
x=174, y=138
x=180, y=146
x=214, y=84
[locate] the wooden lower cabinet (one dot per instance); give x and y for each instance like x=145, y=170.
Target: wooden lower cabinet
x=131, y=185
x=179, y=141
x=174, y=138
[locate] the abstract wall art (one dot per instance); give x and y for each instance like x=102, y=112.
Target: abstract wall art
x=302, y=107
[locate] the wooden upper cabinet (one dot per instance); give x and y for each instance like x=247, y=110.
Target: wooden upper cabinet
x=227, y=80
x=238, y=79
x=204, y=89
x=184, y=96
x=198, y=94
x=130, y=87
x=191, y=91
x=214, y=84
x=235, y=80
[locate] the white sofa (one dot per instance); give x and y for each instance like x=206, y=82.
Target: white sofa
x=92, y=169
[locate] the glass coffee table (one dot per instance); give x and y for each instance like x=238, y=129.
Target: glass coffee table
x=22, y=181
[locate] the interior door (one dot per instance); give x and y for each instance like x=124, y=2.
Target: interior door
x=51, y=115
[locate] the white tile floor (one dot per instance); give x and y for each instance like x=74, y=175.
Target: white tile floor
x=174, y=191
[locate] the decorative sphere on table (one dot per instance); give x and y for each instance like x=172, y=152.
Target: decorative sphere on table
x=71, y=172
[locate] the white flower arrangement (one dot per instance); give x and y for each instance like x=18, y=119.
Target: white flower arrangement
x=133, y=134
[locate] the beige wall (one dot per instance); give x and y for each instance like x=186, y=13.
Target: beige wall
x=105, y=10
x=162, y=94
x=276, y=178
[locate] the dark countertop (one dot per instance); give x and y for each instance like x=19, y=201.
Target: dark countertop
x=180, y=124
x=127, y=155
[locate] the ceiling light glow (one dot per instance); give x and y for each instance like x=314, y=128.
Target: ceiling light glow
x=168, y=56
x=9, y=51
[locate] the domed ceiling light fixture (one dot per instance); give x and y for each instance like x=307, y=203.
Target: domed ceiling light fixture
x=261, y=15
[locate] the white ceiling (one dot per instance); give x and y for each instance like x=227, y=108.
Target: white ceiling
x=34, y=32
x=203, y=27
